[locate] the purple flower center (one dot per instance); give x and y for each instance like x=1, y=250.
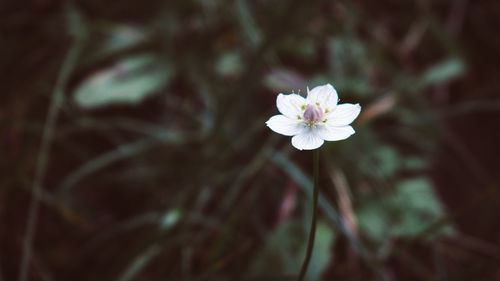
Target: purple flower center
x=313, y=113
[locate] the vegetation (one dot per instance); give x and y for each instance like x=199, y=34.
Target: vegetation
x=135, y=145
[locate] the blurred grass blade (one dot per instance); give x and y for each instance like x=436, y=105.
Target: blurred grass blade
x=247, y=22
x=140, y=262
x=104, y=160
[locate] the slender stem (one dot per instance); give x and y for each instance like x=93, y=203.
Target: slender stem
x=43, y=156
x=312, y=231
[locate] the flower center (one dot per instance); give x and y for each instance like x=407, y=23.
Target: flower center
x=313, y=114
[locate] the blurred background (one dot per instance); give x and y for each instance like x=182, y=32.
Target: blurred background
x=134, y=145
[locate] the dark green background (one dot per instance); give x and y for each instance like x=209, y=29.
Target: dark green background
x=160, y=166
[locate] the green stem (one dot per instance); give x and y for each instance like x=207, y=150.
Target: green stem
x=44, y=153
x=312, y=231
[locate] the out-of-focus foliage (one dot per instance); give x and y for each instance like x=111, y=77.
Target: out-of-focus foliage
x=285, y=250
x=129, y=81
x=408, y=210
x=161, y=166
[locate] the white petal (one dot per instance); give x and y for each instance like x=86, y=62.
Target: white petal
x=344, y=114
x=332, y=133
x=325, y=95
x=290, y=105
x=307, y=140
x=285, y=126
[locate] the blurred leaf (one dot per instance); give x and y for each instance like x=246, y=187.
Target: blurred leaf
x=302, y=48
x=381, y=162
x=322, y=251
x=415, y=163
x=127, y=82
x=358, y=87
x=305, y=48
x=111, y=38
x=420, y=205
x=285, y=251
x=229, y=64
x=349, y=65
x=387, y=160
x=169, y=219
x=405, y=211
x=443, y=72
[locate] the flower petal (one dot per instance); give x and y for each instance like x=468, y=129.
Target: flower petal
x=307, y=140
x=333, y=133
x=344, y=114
x=325, y=95
x=285, y=126
x=290, y=105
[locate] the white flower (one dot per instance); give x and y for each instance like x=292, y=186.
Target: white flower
x=315, y=119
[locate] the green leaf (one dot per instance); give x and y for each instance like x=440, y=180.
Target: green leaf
x=386, y=160
x=109, y=38
x=285, y=251
x=403, y=212
x=229, y=64
x=443, y=72
x=127, y=82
